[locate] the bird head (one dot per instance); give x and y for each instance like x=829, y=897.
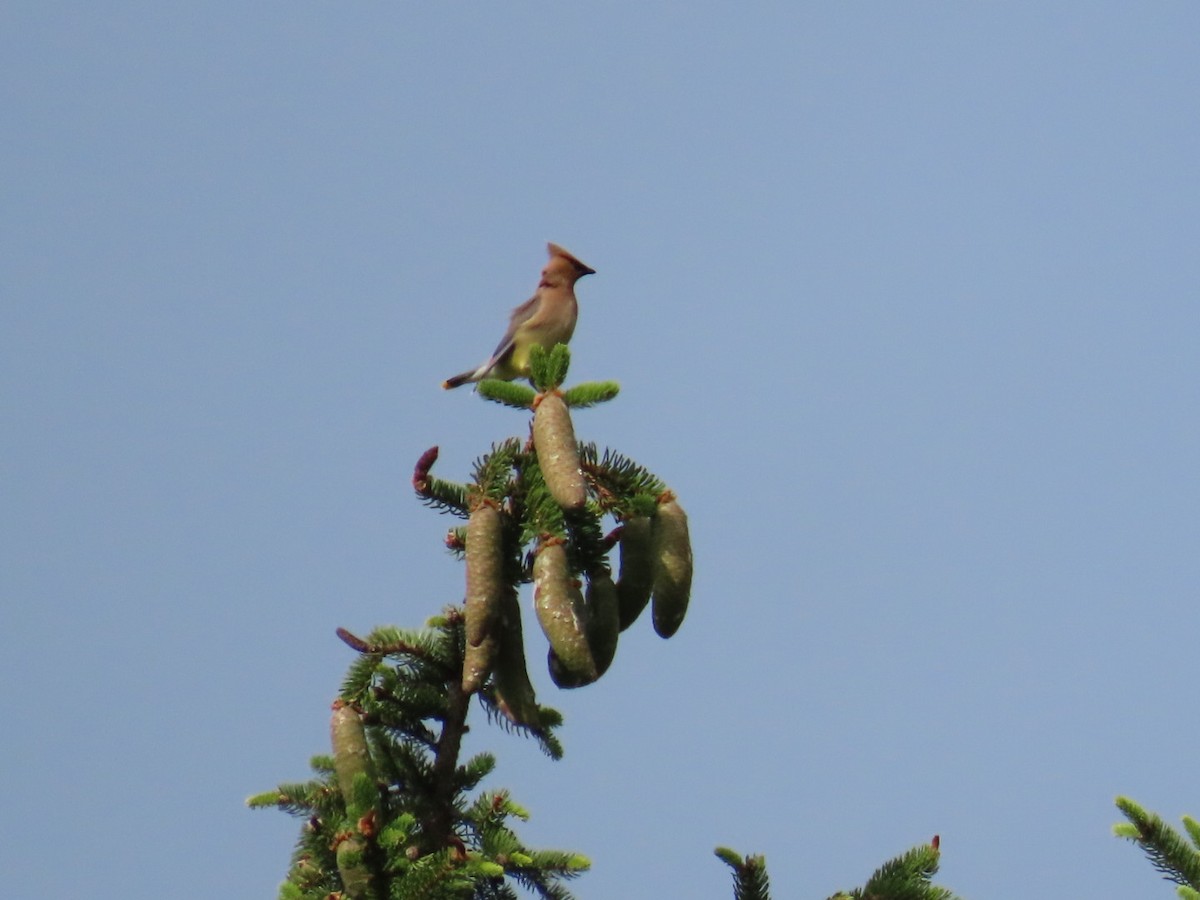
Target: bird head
x=563, y=268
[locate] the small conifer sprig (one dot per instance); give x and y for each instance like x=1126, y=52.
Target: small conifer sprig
x=907, y=877
x=750, y=880
x=507, y=393
x=494, y=471
x=1175, y=856
x=621, y=486
x=590, y=393
x=548, y=368
x=446, y=496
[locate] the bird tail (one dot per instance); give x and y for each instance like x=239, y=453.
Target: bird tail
x=459, y=380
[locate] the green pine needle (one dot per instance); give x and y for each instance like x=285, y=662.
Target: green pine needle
x=750, y=881
x=731, y=858
x=322, y=764
x=1167, y=850
x=493, y=472
x=548, y=370
x=445, y=496
x=275, y=798
x=1193, y=829
x=548, y=717
x=543, y=515
x=590, y=393
x=620, y=485
x=907, y=877
x=507, y=393
x=586, y=550
x=919, y=864
x=477, y=768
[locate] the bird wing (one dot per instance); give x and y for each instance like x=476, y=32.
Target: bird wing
x=520, y=316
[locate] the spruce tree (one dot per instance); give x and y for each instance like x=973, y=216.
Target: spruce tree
x=393, y=811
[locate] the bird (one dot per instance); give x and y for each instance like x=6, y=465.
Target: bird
x=545, y=319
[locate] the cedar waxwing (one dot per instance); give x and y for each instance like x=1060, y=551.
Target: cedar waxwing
x=545, y=319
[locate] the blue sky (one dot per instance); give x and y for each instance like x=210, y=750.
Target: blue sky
x=904, y=301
